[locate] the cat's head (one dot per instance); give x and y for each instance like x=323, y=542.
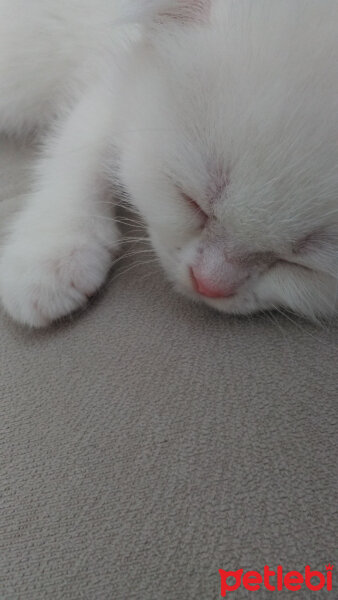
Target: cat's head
x=230, y=150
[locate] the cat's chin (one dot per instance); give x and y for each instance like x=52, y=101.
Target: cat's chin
x=244, y=303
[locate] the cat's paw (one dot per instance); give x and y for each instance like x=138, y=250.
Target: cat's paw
x=45, y=279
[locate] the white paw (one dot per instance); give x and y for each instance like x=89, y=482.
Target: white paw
x=48, y=277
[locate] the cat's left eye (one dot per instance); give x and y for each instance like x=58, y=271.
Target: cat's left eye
x=195, y=206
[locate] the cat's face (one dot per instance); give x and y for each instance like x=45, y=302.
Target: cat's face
x=230, y=161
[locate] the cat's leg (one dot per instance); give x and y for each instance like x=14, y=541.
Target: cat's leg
x=60, y=248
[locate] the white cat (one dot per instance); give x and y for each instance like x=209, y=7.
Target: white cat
x=220, y=117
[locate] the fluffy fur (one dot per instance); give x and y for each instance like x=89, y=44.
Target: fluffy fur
x=220, y=119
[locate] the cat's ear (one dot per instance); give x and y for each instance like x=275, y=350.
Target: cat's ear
x=162, y=11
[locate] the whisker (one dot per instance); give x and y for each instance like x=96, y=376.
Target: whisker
x=277, y=324
x=131, y=267
x=303, y=330
x=118, y=221
x=136, y=239
x=130, y=255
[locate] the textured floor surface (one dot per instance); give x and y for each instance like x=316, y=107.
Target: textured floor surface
x=147, y=443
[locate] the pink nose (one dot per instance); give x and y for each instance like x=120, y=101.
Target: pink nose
x=207, y=289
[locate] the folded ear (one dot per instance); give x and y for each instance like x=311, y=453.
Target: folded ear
x=147, y=11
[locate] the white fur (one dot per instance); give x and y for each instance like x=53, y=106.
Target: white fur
x=231, y=102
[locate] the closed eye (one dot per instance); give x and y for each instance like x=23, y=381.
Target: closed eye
x=195, y=206
x=292, y=263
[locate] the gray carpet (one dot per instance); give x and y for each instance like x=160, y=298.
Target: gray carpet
x=147, y=442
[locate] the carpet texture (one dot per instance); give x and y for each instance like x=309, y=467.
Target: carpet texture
x=147, y=443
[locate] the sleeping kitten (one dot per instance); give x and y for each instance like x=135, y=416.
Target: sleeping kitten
x=220, y=119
